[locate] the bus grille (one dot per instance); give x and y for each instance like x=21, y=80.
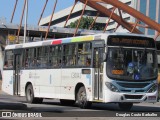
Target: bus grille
x=133, y=96
x=133, y=85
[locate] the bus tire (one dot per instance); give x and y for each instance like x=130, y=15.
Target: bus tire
x=82, y=98
x=125, y=106
x=67, y=102
x=30, y=94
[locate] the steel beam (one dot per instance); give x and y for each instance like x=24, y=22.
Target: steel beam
x=94, y=21
x=51, y=19
x=14, y=11
x=107, y=12
x=109, y=20
x=42, y=11
x=134, y=13
x=86, y=1
x=17, y=41
x=70, y=12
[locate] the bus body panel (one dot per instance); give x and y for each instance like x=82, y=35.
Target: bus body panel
x=46, y=82
x=7, y=85
x=27, y=76
x=49, y=82
x=70, y=78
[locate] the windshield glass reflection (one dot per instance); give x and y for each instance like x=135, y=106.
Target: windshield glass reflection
x=131, y=64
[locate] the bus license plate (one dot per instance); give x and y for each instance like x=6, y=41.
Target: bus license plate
x=151, y=97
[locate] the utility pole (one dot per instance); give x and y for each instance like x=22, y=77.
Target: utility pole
x=25, y=22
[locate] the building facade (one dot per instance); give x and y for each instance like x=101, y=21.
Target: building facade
x=60, y=17
x=150, y=8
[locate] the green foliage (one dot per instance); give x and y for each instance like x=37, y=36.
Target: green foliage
x=85, y=24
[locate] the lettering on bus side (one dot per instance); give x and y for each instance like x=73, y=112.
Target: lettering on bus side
x=75, y=75
x=33, y=75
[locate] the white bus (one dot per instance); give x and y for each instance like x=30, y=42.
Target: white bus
x=108, y=68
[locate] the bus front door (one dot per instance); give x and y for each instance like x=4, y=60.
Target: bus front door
x=16, y=83
x=98, y=73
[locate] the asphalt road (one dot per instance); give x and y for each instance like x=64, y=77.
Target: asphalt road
x=52, y=108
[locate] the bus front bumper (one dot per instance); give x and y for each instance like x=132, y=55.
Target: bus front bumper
x=130, y=97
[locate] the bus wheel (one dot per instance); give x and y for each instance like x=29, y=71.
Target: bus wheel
x=30, y=94
x=125, y=106
x=67, y=102
x=82, y=99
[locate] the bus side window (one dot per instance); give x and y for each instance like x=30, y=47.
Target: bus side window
x=51, y=56
x=69, y=55
x=55, y=56
x=49, y=64
x=25, y=58
x=59, y=52
x=81, y=59
x=88, y=62
x=84, y=54
x=42, y=56
x=31, y=56
x=8, y=64
x=46, y=60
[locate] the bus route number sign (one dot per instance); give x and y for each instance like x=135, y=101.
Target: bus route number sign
x=131, y=41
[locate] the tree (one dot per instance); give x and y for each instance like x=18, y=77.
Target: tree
x=85, y=24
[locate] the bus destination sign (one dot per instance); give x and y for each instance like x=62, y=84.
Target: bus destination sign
x=131, y=41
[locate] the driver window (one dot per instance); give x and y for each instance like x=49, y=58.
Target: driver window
x=8, y=62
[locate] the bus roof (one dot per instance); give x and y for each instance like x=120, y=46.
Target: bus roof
x=67, y=40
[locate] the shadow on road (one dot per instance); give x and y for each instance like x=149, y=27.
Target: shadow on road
x=12, y=106
x=114, y=107
x=52, y=105
x=138, y=108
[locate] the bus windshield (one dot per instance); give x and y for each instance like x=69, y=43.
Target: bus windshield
x=131, y=64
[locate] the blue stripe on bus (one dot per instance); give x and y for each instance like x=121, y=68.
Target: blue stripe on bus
x=66, y=41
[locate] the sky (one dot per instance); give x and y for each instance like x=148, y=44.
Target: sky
x=34, y=9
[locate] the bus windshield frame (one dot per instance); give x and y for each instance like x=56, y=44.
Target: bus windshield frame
x=131, y=61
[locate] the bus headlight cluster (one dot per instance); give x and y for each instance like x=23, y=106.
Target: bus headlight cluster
x=112, y=87
x=153, y=88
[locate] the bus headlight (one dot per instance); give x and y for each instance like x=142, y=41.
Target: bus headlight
x=153, y=88
x=112, y=87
